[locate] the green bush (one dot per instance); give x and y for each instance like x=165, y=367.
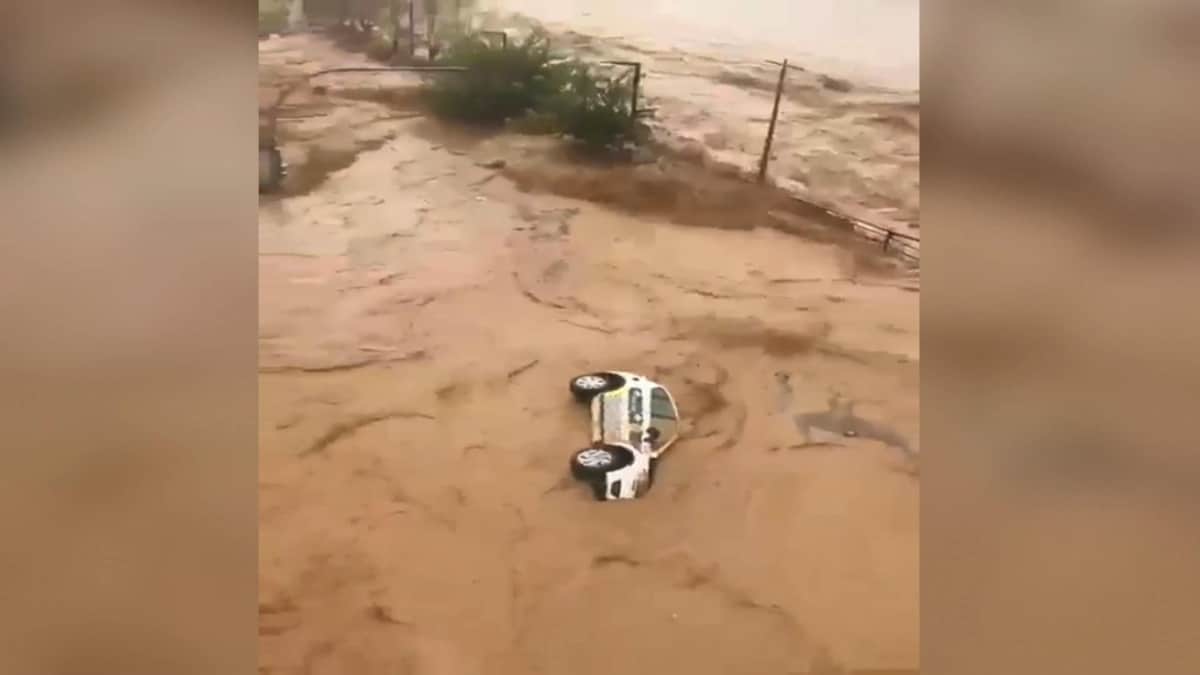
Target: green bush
x=272, y=19
x=593, y=109
x=535, y=123
x=499, y=84
x=524, y=83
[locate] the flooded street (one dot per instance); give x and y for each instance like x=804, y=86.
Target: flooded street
x=425, y=296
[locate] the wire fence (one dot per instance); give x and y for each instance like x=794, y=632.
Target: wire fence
x=900, y=243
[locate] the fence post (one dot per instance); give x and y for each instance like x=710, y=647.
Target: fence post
x=412, y=28
x=766, y=156
x=394, y=18
x=637, y=82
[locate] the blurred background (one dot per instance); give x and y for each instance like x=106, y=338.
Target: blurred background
x=1061, y=482
x=128, y=495
x=1059, y=332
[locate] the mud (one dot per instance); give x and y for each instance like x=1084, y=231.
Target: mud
x=420, y=317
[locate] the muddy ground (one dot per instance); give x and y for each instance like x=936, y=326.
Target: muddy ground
x=426, y=294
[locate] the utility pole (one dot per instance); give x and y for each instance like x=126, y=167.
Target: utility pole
x=766, y=156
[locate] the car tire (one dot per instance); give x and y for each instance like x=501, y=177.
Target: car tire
x=588, y=386
x=598, y=488
x=598, y=460
x=270, y=170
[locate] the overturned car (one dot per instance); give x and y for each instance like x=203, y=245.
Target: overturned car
x=634, y=421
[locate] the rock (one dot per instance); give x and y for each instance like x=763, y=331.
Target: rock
x=494, y=164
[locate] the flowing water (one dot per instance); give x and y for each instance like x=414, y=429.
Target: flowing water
x=875, y=41
x=421, y=311
x=848, y=133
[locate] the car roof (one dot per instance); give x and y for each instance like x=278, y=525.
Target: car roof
x=631, y=376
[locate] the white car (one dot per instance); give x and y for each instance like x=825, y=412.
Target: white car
x=634, y=421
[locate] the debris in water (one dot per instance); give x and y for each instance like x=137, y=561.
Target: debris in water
x=835, y=84
x=384, y=615
x=840, y=419
x=350, y=427
x=527, y=366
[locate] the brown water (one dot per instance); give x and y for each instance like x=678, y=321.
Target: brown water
x=853, y=147
x=420, y=316
x=872, y=41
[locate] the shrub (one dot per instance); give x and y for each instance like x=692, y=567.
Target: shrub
x=499, y=84
x=379, y=47
x=272, y=18
x=525, y=86
x=593, y=109
x=536, y=123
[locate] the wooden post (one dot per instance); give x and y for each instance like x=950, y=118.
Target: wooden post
x=431, y=17
x=412, y=28
x=394, y=18
x=766, y=156
x=637, y=82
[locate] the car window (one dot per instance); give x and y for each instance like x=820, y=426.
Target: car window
x=660, y=405
x=663, y=426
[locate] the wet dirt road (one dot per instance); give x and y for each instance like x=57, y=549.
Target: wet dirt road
x=420, y=316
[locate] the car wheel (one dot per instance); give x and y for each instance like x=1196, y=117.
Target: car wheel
x=593, y=462
x=598, y=488
x=598, y=460
x=586, y=387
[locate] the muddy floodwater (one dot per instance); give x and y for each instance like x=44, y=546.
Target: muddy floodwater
x=426, y=294
x=848, y=135
x=869, y=41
